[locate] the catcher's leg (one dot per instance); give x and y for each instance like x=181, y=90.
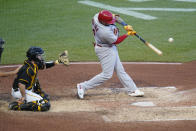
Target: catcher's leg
x=30, y=106
x=38, y=90
x=20, y=106
x=14, y=106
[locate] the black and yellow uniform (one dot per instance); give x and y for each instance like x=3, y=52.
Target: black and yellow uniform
x=26, y=75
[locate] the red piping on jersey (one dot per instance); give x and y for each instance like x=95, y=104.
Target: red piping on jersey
x=120, y=39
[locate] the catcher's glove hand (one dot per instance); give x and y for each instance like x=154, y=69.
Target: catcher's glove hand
x=63, y=58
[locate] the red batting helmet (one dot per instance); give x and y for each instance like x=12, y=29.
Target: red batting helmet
x=106, y=16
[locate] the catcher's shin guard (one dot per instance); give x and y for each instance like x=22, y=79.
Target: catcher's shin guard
x=42, y=105
x=14, y=106
x=30, y=106
x=23, y=107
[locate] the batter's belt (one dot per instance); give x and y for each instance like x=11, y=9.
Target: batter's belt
x=102, y=45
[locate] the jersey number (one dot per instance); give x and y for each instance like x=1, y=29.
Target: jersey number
x=95, y=28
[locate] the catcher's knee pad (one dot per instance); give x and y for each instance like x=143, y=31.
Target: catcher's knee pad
x=45, y=96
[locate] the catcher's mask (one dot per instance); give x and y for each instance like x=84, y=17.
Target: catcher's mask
x=37, y=55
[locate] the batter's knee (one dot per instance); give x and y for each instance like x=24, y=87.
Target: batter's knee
x=107, y=76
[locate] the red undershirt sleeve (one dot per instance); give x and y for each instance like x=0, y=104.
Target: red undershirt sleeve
x=120, y=39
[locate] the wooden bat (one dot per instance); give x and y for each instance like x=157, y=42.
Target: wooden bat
x=121, y=21
x=149, y=45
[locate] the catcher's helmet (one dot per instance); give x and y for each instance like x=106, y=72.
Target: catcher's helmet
x=106, y=16
x=36, y=54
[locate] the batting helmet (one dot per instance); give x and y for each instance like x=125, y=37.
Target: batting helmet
x=36, y=54
x=106, y=16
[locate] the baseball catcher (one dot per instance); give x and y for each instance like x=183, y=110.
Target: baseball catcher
x=26, y=87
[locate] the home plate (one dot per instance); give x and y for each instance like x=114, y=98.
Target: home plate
x=143, y=104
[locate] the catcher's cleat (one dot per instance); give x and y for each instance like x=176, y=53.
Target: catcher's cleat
x=80, y=91
x=136, y=93
x=14, y=106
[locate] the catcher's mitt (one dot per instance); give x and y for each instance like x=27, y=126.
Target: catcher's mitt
x=63, y=58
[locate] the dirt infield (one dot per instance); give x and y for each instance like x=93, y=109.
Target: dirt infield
x=169, y=102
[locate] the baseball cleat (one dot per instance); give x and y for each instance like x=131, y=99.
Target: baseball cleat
x=137, y=93
x=80, y=93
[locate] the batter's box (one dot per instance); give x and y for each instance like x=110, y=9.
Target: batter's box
x=166, y=104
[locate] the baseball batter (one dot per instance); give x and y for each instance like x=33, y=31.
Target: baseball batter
x=106, y=36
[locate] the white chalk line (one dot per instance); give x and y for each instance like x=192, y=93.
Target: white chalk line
x=139, y=0
x=9, y=66
x=95, y=63
x=142, y=63
x=152, y=0
x=106, y=119
x=186, y=0
x=119, y=10
x=131, y=11
x=163, y=9
x=159, y=120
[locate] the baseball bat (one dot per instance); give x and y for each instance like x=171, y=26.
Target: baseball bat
x=149, y=45
x=121, y=21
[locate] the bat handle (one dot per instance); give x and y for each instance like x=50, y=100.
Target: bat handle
x=140, y=38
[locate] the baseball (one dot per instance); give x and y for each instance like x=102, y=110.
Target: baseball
x=170, y=39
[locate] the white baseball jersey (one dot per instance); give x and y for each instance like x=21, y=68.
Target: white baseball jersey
x=104, y=34
x=108, y=57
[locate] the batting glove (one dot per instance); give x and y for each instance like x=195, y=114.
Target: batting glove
x=131, y=32
x=128, y=28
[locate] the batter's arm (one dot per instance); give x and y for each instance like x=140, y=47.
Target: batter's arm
x=120, y=39
x=123, y=23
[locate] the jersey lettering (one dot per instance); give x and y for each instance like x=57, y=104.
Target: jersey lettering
x=115, y=31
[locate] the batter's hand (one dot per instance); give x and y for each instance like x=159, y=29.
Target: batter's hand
x=131, y=32
x=128, y=28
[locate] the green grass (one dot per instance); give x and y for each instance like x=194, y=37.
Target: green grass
x=56, y=25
